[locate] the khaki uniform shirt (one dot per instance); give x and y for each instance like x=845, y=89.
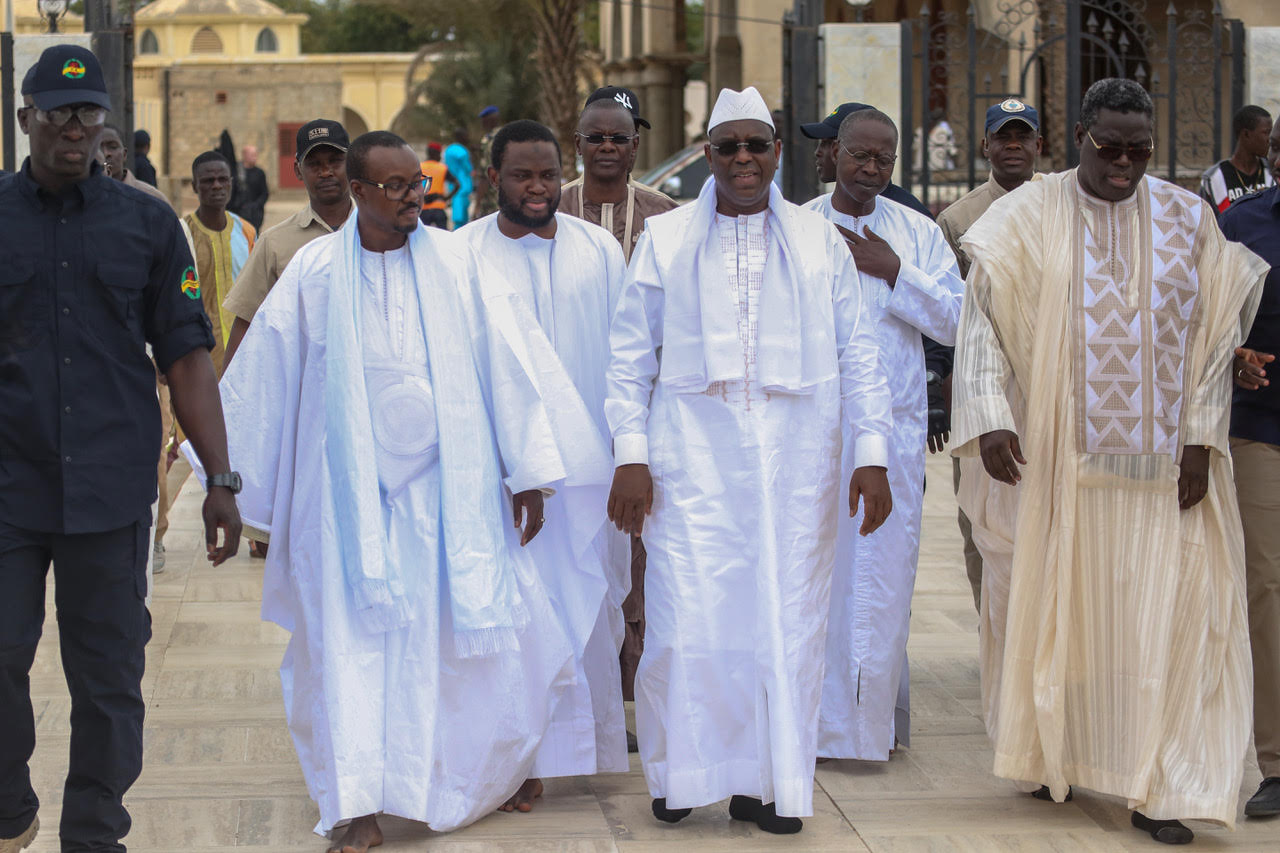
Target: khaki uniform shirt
x=965, y=211
x=624, y=222
x=275, y=248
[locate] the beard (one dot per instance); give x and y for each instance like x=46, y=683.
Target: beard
x=511, y=210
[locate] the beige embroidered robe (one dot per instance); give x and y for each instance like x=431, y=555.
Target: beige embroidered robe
x=1102, y=334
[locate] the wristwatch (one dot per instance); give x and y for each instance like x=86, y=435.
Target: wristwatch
x=229, y=481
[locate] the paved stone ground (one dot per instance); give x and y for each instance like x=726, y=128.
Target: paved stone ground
x=221, y=773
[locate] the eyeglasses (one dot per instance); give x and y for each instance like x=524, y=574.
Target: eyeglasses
x=731, y=149
x=89, y=115
x=618, y=139
x=1136, y=153
x=399, y=190
x=884, y=162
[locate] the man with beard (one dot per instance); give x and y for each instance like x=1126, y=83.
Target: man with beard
x=417, y=414
x=913, y=287
x=608, y=139
x=569, y=273
x=321, y=165
x=740, y=346
x=222, y=239
x=1095, y=348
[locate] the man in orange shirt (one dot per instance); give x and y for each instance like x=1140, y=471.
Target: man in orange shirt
x=434, y=205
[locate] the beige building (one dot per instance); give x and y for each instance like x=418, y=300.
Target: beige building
x=202, y=66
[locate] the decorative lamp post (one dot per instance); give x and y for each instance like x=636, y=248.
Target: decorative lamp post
x=53, y=10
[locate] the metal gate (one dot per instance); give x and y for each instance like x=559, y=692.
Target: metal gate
x=1048, y=52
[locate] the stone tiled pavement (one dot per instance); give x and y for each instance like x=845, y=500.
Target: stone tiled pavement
x=221, y=772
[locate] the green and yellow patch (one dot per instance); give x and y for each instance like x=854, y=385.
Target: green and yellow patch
x=190, y=283
x=73, y=68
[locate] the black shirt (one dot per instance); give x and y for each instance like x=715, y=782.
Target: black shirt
x=143, y=170
x=1255, y=221
x=88, y=278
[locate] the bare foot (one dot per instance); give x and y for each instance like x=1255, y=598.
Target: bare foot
x=362, y=833
x=522, y=800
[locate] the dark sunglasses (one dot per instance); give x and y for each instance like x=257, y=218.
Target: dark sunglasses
x=731, y=149
x=600, y=138
x=1136, y=153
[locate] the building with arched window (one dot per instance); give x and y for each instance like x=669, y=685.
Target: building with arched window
x=202, y=66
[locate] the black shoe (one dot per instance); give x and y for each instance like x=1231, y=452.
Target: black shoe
x=1043, y=794
x=1164, y=831
x=633, y=745
x=662, y=813
x=766, y=817
x=1267, y=800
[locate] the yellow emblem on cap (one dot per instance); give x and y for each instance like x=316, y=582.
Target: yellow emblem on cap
x=1013, y=105
x=73, y=68
x=190, y=283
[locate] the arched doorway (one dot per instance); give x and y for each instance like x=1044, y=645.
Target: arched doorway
x=354, y=124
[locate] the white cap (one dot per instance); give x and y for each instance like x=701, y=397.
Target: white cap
x=736, y=106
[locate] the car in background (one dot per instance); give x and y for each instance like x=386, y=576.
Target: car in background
x=681, y=175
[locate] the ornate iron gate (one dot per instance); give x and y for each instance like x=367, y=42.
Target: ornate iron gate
x=1048, y=52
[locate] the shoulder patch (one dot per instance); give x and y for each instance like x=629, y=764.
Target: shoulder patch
x=190, y=283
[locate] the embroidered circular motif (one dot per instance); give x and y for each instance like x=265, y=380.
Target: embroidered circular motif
x=404, y=419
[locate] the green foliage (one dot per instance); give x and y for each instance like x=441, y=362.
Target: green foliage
x=347, y=26
x=499, y=71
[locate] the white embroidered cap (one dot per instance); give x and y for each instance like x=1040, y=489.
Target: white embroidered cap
x=736, y=106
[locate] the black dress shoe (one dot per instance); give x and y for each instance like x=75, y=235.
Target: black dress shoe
x=1267, y=801
x=1044, y=794
x=766, y=817
x=662, y=813
x=1164, y=831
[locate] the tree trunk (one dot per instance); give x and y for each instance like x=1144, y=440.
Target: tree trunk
x=559, y=65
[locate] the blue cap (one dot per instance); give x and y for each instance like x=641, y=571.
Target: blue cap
x=1011, y=109
x=66, y=74
x=490, y=110
x=829, y=127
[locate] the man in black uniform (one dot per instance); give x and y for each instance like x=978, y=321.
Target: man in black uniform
x=91, y=271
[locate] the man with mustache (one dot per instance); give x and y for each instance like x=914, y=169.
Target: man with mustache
x=741, y=345
x=1102, y=310
x=569, y=273
x=418, y=414
x=914, y=288
x=222, y=239
x=94, y=272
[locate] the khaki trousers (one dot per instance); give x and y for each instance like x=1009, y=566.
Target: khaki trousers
x=162, y=471
x=972, y=558
x=1257, y=467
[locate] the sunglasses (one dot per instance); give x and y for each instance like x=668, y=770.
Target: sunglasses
x=1136, y=153
x=731, y=149
x=89, y=115
x=618, y=139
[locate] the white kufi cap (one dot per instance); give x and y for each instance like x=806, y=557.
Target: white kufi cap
x=736, y=106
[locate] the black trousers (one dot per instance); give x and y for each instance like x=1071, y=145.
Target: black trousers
x=434, y=217
x=103, y=629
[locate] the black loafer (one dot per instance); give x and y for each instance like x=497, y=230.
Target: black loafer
x=766, y=817
x=662, y=813
x=1164, y=831
x=1266, y=801
x=1044, y=794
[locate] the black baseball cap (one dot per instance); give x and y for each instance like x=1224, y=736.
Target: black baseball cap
x=1011, y=109
x=829, y=127
x=321, y=131
x=626, y=97
x=66, y=74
